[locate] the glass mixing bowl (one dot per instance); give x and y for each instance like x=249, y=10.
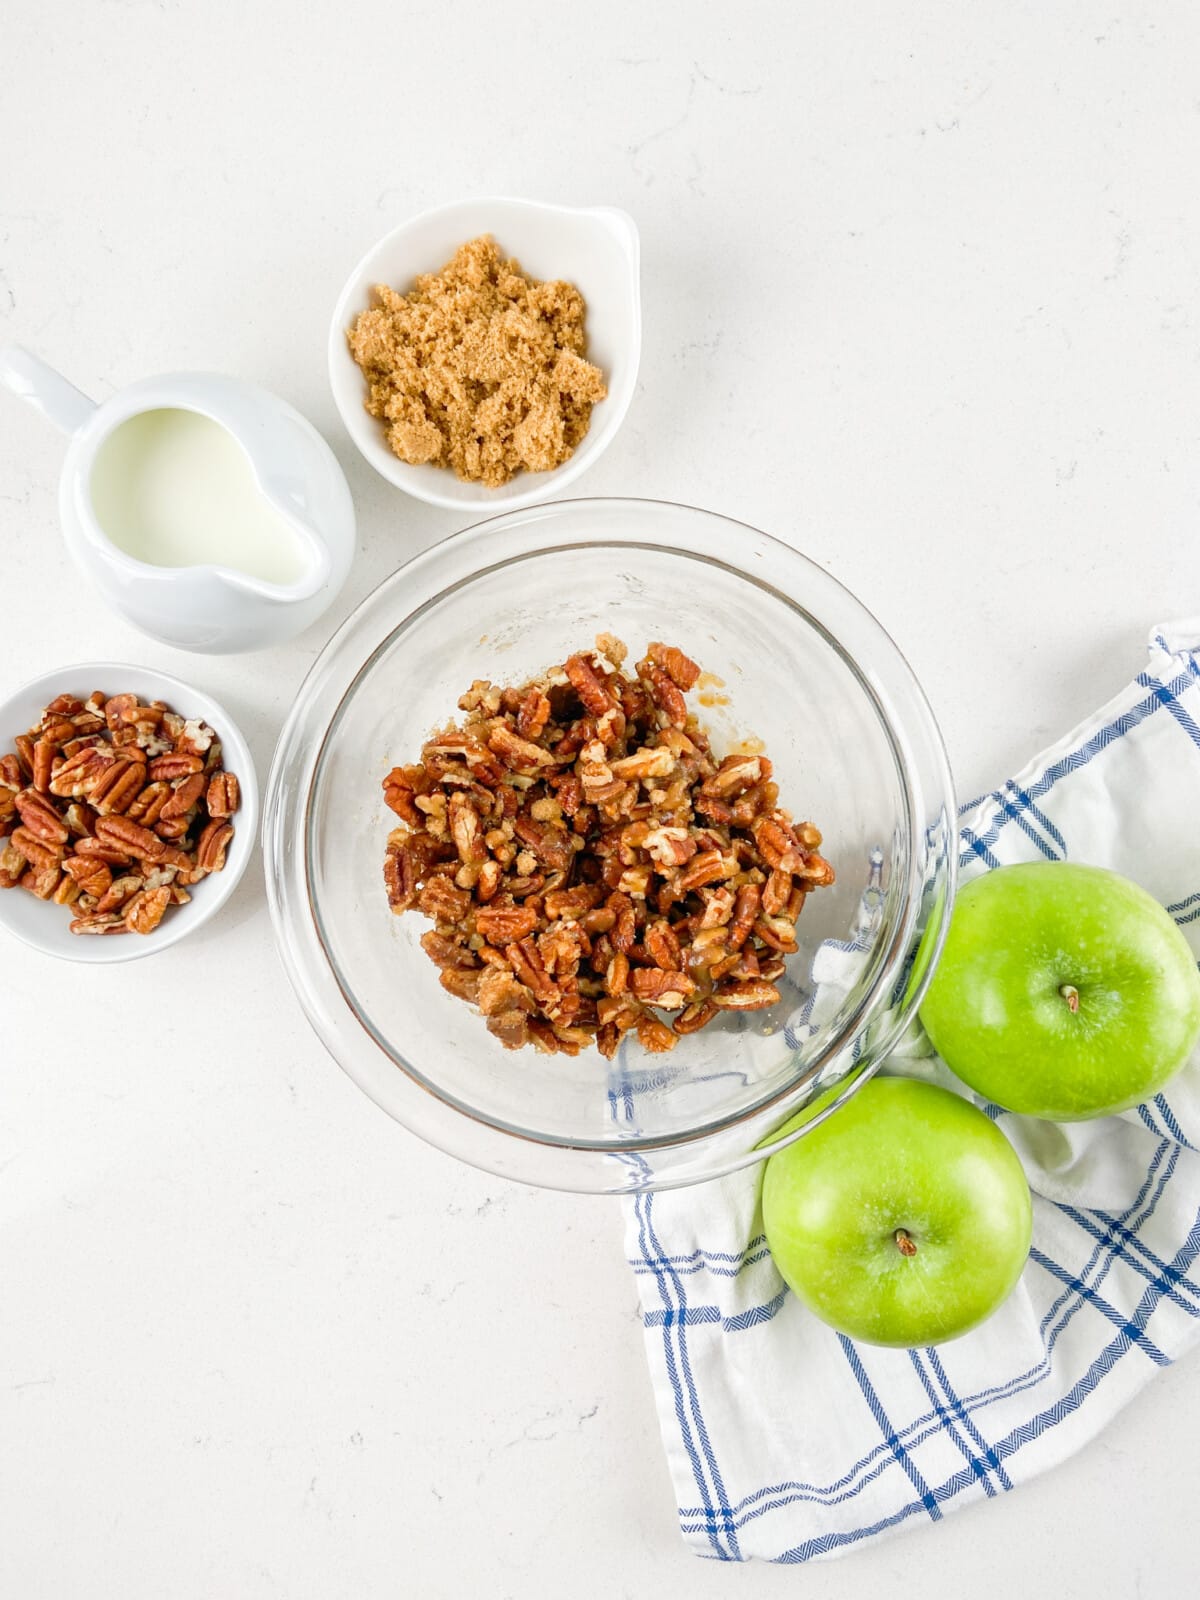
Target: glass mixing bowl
x=805, y=669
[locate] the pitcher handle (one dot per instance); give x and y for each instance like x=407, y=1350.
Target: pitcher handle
x=46, y=390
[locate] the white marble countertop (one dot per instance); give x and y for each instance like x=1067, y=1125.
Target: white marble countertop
x=921, y=295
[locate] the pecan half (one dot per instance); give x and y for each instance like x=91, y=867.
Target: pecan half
x=745, y=914
x=178, y=764
x=571, y=903
x=666, y=695
x=694, y=1017
x=462, y=982
x=441, y=901
x=121, y=834
x=662, y=946
x=465, y=829
x=526, y=961
x=41, y=881
x=400, y=794
x=185, y=794
x=116, y=788
x=119, y=892
x=148, y=806
x=40, y=818
x=505, y=925
x=96, y=850
x=43, y=761
x=655, y=1036
x=736, y=995
x=92, y=876
x=776, y=892
x=34, y=850
x=777, y=933
x=735, y=774
x=521, y=755
x=23, y=745
x=666, y=989
x=533, y=715
x=681, y=669
x=223, y=795
x=616, y=974
x=586, y=682
x=97, y=924
x=212, y=845
x=145, y=911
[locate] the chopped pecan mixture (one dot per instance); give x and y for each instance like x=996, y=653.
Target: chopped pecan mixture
x=114, y=808
x=587, y=862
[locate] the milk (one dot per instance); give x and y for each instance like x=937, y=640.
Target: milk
x=173, y=488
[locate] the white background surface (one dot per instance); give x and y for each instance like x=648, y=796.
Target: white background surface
x=922, y=294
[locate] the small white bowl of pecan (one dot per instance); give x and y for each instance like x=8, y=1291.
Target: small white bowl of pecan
x=128, y=811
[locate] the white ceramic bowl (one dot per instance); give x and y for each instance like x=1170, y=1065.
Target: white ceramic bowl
x=595, y=248
x=45, y=926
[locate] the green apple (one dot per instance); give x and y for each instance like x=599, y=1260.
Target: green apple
x=903, y=1219
x=1063, y=991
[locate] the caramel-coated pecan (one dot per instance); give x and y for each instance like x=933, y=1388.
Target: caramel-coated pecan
x=665, y=694
x=694, y=1017
x=505, y=925
x=681, y=669
x=736, y=995
x=533, y=715
x=521, y=755
x=586, y=681
x=654, y=1036
x=443, y=902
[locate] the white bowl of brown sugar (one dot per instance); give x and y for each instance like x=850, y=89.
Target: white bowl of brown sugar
x=484, y=354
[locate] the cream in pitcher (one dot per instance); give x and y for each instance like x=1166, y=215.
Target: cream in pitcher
x=206, y=510
x=175, y=489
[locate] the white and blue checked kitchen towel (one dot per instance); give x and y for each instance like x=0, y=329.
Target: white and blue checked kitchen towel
x=787, y=1442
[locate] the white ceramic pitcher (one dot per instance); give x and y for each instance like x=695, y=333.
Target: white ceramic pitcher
x=207, y=607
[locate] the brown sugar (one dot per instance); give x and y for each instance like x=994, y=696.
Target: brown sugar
x=479, y=368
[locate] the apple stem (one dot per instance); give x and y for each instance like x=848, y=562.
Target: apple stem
x=1071, y=995
x=904, y=1242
